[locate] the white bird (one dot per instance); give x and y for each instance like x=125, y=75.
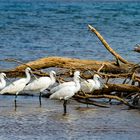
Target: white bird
x=41, y=84
x=2, y=80
x=90, y=85
x=18, y=85
x=67, y=91
x=76, y=73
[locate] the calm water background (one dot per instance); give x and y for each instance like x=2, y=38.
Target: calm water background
x=31, y=29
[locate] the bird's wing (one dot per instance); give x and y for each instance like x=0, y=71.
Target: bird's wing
x=63, y=93
x=71, y=83
x=20, y=81
x=2, y=86
x=6, y=89
x=86, y=86
x=38, y=84
x=14, y=87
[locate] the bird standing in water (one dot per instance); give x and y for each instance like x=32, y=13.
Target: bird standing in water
x=17, y=86
x=41, y=84
x=67, y=91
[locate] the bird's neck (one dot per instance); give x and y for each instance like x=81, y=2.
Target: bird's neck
x=52, y=78
x=77, y=84
x=77, y=81
x=97, y=82
x=3, y=82
x=28, y=76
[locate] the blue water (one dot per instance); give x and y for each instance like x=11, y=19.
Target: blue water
x=31, y=29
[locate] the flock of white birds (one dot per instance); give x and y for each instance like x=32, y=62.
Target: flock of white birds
x=63, y=91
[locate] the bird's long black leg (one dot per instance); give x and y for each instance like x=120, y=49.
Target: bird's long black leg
x=87, y=102
x=15, y=101
x=40, y=99
x=65, y=108
x=109, y=101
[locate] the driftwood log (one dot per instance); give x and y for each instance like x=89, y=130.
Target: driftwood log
x=121, y=68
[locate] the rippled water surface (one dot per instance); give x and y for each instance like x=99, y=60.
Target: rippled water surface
x=32, y=122
x=31, y=29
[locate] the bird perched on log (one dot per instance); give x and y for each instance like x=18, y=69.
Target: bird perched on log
x=88, y=86
x=67, y=90
x=41, y=84
x=17, y=86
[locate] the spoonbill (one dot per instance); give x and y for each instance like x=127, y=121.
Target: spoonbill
x=17, y=86
x=67, y=91
x=2, y=80
x=41, y=84
x=90, y=85
x=76, y=73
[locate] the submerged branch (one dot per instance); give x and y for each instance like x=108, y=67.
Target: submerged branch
x=108, y=97
x=91, y=102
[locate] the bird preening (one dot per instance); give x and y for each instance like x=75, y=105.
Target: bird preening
x=64, y=91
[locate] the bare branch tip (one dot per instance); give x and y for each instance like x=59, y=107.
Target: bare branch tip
x=90, y=26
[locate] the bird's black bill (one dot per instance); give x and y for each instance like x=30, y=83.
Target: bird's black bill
x=34, y=75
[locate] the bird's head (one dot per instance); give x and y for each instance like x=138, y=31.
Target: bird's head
x=2, y=75
x=77, y=73
x=53, y=73
x=28, y=69
x=96, y=76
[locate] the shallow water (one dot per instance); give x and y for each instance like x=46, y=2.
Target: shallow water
x=32, y=122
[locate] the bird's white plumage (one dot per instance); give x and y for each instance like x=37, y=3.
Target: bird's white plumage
x=18, y=85
x=90, y=85
x=2, y=80
x=67, y=91
x=63, y=93
x=42, y=83
x=70, y=83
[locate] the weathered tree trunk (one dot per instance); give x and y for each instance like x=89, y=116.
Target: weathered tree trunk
x=72, y=64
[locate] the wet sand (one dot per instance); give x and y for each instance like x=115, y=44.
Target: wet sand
x=93, y=123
